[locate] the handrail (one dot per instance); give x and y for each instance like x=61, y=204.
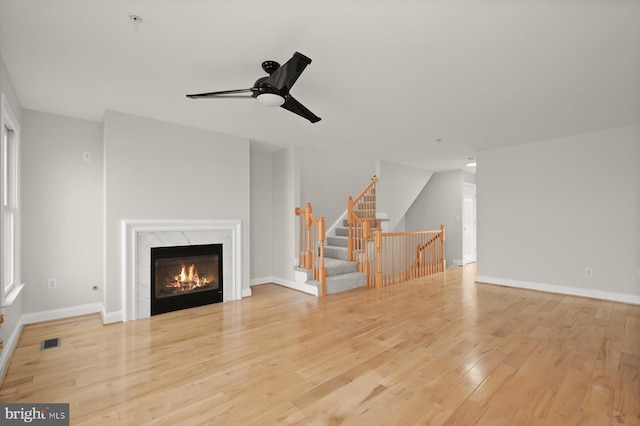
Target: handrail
x=374, y=179
x=389, y=257
x=360, y=210
x=312, y=236
x=394, y=264
x=425, y=247
x=364, y=205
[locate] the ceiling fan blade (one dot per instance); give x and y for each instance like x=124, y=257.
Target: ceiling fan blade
x=284, y=77
x=296, y=107
x=223, y=94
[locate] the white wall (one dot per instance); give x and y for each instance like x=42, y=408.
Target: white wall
x=261, y=216
x=285, y=199
x=440, y=203
x=328, y=178
x=397, y=188
x=158, y=170
x=6, y=87
x=548, y=210
x=9, y=330
x=62, y=211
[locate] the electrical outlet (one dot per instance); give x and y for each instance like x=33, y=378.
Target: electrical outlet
x=588, y=272
x=260, y=260
x=86, y=157
x=52, y=283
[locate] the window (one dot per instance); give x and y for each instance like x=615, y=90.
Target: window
x=9, y=216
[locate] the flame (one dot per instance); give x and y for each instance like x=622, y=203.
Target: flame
x=188, y=279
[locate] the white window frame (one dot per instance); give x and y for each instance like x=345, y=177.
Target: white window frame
x=9, y=203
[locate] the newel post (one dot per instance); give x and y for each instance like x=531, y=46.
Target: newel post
x=443, y=260
x=299, y=211
x=308, y=259
x=322, y=272
x=365, y=264
x=350, y=222
x=378, y=282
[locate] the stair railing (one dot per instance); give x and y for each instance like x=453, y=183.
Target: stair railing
x=361, y=210
x=311, y=245
x=394, y=261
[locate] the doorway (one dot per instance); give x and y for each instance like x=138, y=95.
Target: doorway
x=469, y=248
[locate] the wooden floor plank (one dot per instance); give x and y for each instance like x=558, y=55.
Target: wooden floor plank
x=438, y=350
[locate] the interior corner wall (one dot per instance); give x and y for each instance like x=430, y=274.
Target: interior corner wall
x=285, y=200
x=261, y=215
x=62, y=211
x=550, y=209
x=6, y=87
x=440, y=203
x=328, y=178
x=469, y=177
x=158, y=170
x=13, y=313
x=397, y=188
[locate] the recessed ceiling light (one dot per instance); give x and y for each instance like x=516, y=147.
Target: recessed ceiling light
x=471, y=164
x=136, y=19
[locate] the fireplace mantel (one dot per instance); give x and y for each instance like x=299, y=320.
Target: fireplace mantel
x=139, y=236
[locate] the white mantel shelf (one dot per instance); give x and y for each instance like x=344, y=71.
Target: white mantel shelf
x=139, y=236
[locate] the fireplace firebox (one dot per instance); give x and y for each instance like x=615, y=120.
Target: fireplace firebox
x=185, y=277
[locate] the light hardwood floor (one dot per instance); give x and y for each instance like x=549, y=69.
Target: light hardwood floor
x=439, y=350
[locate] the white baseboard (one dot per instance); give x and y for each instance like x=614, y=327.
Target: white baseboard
x=53, y=314
x=111, y=317
x=570, y=291
x=305, y=288
x=296, y=285
x=246, y=292
x=456, y=262
x=9, y=347
x=260, y=281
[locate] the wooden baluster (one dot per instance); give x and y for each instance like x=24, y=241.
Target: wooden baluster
x=314, y=253
x=350, y=222
x=301, y=239
x=442, y=258
x=322, y=272
x=365, y=263
x=307, y=254
x=378, y=282
x=373, y=199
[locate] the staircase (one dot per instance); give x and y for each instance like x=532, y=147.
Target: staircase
x=331, y=264
x=342, y=275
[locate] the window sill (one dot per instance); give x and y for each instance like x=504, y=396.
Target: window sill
x=12, y=295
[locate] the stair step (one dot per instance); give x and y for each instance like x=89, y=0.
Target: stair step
x=342, y=231
x=343, y=282
x=339, y=241
x=345, y=223
x=336, y=252
x=338, y=266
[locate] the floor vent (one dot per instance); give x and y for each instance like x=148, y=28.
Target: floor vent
x=50, y=343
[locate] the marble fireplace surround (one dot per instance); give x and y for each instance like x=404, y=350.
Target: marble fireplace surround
x=139, y=236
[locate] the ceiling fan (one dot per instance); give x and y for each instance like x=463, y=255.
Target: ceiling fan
x=274, y=89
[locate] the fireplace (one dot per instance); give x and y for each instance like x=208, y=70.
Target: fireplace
x=185, y=277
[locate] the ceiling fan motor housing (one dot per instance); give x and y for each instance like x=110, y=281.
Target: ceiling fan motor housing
x=270, y=66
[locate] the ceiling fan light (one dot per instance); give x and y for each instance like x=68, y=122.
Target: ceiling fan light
x=270, y=99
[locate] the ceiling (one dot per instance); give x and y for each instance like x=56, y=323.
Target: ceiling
x=422, y=83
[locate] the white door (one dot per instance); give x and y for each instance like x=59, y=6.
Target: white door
x=469, y=224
